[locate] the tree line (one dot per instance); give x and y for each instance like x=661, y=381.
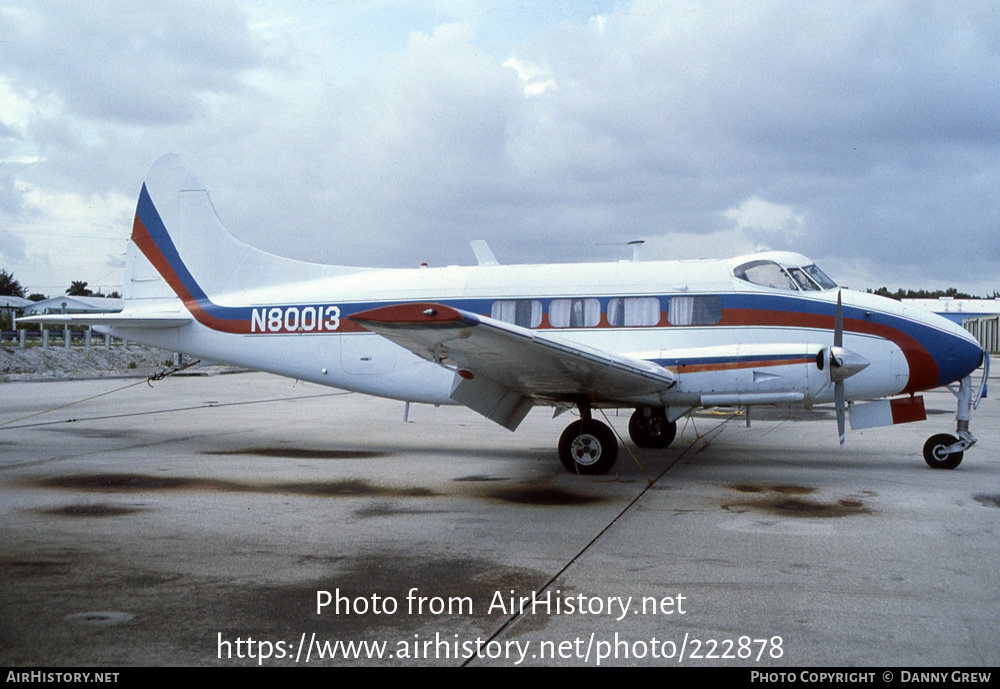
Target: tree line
x=11, y=287
x=925, y=294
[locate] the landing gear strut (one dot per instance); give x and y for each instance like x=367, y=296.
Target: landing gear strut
x=649, y=428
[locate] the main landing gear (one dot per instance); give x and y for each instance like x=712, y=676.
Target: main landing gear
x=650, y=428
x=590, y=447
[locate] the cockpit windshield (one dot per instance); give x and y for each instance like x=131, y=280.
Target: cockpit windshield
x=794, y=278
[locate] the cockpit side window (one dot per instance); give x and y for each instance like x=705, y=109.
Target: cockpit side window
x=820, y=277
x=804, y=283
x=765, y=274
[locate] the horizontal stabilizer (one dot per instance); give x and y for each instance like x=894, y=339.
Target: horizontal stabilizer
x=152, y=321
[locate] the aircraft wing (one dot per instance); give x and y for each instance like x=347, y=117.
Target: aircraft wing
x=502, y=369
x=150, y=320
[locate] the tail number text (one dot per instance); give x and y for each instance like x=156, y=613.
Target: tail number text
x=295, y=319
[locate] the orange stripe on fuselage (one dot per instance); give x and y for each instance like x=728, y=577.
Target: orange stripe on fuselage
x=733, y=365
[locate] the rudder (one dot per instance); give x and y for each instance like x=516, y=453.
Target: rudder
x=180, y=249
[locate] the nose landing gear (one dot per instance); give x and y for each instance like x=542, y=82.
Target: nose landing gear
x=945, y=451
x=940, y=451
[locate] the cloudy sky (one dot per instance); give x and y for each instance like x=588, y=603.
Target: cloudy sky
x=382, y=132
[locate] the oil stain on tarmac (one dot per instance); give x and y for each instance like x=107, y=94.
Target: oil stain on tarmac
x=127, y=483
x=136, y=483
x=90, y=510
x=299, y=453
x=540, y=496
x=987, y=500
x=786, y=501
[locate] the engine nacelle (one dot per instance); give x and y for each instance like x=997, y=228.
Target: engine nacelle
x=749, y=374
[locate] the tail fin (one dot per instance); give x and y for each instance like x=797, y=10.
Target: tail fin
x=179, y=249
x=181, y=255
x=173, y=219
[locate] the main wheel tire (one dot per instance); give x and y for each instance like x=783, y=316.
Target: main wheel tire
x=653, y=431
x=588, y=447
x=934, y=453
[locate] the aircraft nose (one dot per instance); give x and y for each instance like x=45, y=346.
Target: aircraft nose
x=958, y=354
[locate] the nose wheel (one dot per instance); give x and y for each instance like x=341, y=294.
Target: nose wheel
x=938, y=452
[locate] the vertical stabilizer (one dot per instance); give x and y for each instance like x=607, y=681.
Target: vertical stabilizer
x=180, y=249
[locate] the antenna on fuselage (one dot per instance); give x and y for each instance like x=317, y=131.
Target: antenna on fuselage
x=484, y=255
x=636, y=245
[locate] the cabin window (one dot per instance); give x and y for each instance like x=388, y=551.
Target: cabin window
x=765, y=274
x=633, y=311
x=694, y=310
x=526, y=313
x=574, y=313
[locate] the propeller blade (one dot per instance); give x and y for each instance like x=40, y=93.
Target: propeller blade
x=838, y=326
x=838, y=387
x=838, y=393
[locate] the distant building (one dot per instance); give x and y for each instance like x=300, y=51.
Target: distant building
x=957, y=310
x=14, y=303
x=10, y=307
x=68, y=304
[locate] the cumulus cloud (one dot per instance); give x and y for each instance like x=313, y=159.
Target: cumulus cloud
x=534, y=77
x=121, y=62
x=767, y=225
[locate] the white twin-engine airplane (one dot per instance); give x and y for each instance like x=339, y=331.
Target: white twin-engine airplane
x=662, y=337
